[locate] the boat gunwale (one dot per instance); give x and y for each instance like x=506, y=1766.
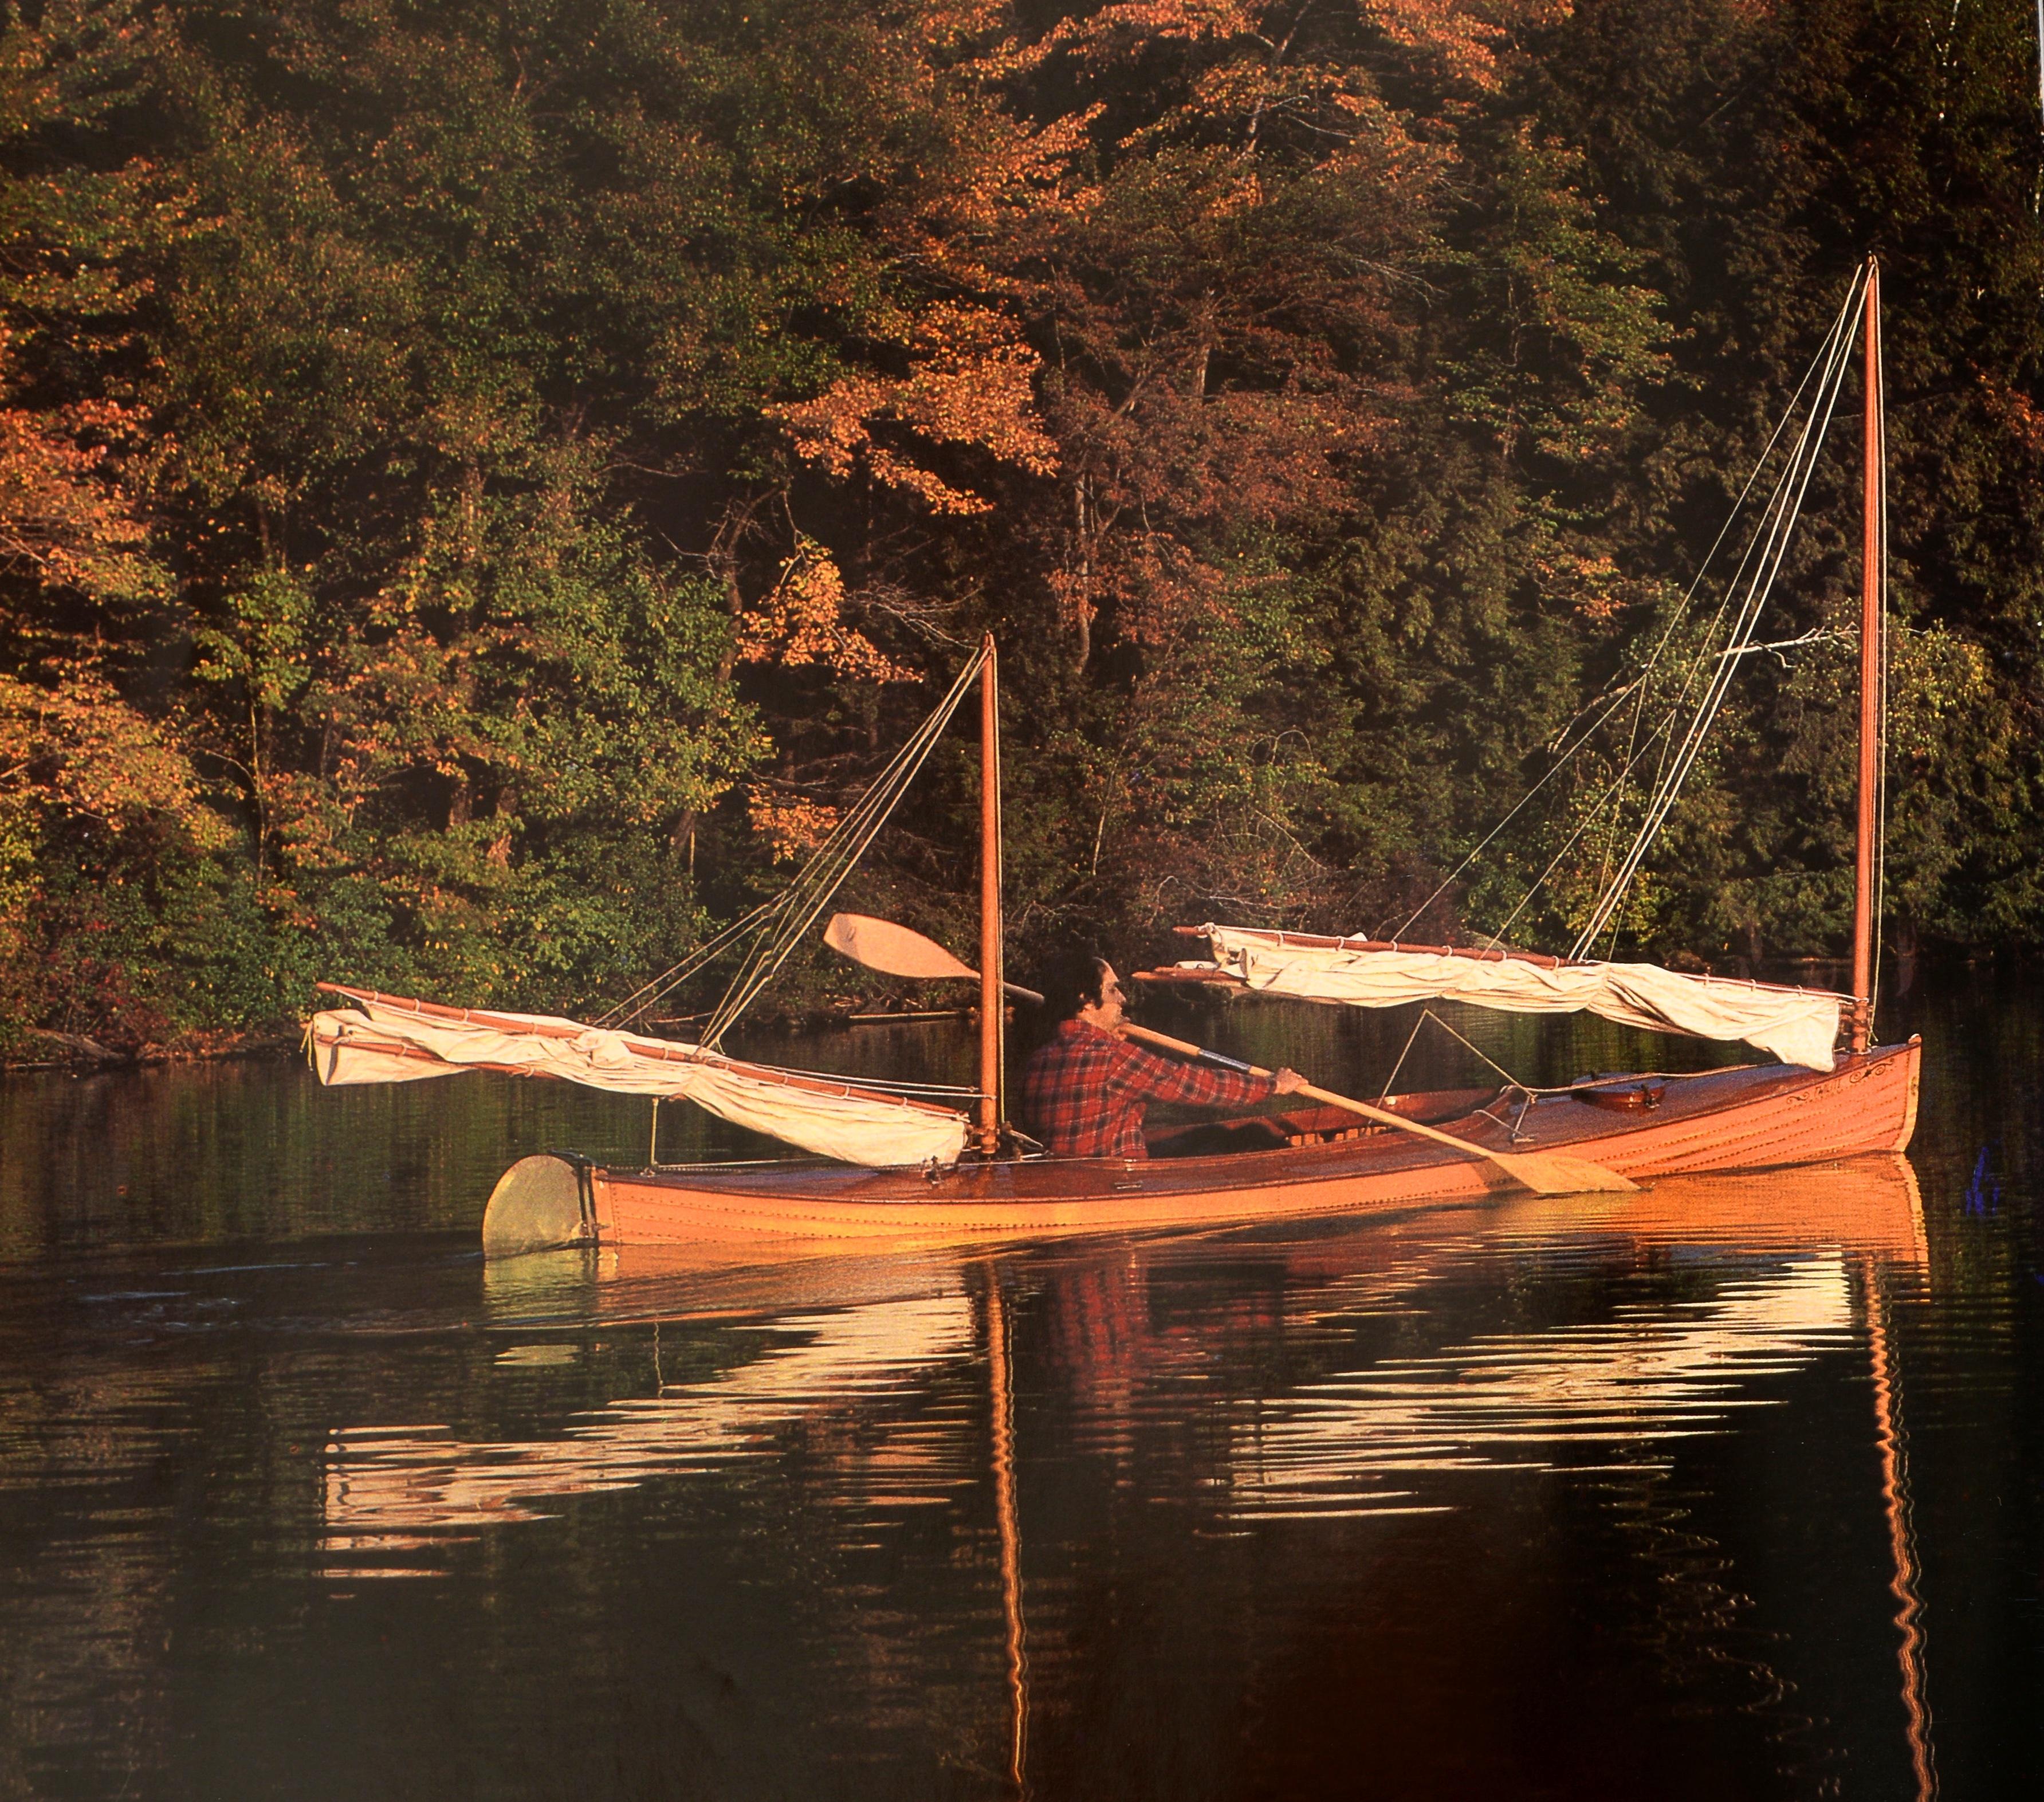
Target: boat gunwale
x=1381, y=1152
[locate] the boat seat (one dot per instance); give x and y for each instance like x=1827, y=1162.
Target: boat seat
x=1220, y=1138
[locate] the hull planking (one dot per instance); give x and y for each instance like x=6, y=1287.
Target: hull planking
x=1752, y=1118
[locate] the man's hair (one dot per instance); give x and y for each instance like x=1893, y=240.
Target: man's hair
x=1071, y=980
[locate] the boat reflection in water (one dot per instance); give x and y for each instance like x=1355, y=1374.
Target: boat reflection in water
x=1651, y=1371
x=897, y=1377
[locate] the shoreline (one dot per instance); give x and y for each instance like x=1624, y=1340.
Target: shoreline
x=79, y=1055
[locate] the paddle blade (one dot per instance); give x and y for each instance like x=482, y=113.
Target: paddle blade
x=1555, y=1172
x=880, y=944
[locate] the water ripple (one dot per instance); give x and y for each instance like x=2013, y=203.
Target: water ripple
x=1512, y=1401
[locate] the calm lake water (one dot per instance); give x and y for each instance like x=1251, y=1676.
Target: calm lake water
x=1730, y=1489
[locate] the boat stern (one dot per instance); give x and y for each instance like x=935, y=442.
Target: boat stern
x=544, y=1203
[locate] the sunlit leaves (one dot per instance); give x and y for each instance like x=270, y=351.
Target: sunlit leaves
x=480, y=485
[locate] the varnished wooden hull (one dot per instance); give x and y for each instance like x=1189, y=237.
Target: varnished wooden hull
x=1751, y=1119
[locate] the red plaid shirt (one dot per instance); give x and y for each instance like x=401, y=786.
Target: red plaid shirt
x=1083, y=1094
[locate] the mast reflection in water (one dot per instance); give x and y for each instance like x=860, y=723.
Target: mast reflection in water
x=1195, y=1407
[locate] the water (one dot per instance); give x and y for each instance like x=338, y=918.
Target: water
x=1732, y=1489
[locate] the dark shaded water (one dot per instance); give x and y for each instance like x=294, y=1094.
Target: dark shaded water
x=1733, y=1489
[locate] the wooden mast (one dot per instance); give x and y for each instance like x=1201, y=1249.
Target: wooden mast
x=1871, y=550
x=992, y=998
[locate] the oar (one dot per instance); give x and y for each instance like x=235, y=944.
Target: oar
x=881, y=945
x=895, y=950
x=1545, y=1172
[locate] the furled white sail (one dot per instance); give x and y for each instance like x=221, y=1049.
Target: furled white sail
x=1799, y=1026
x=388, y=1039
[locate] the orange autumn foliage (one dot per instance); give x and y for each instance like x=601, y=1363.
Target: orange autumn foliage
x=801, y=621
x=968, y=385
x=793, y=827
x=64, y=520
x=76, y=746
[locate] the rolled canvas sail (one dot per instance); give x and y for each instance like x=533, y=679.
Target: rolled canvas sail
x=1799, y=1026
x=385, y=1039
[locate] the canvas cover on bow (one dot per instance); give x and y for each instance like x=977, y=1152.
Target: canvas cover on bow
x=390, y=1038
x=1799, y=1026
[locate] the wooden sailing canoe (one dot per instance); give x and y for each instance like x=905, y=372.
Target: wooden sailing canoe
x=1752, y=1118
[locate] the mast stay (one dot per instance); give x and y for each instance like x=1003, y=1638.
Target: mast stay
x=1675, y=742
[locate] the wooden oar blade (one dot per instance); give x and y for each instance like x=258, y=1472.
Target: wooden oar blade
x=1556, y=1173
x=895, y=950
x=880, y=944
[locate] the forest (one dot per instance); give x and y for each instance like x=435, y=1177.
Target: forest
x=484, y=487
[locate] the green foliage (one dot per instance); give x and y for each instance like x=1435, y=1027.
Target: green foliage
x=480, y=485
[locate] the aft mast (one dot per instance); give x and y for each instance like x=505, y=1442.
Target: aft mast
x=992, y=996
x=1873, y=554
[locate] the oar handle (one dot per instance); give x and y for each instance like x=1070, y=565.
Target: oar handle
x=1383, y=1115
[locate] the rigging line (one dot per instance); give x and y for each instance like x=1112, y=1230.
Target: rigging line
x=1426, y=1014
x=1847, y=311
x=634, y=1005
x=1668, y=632
x=1661, y=733
x=1691, y=747
x=823, y=873
x=877, y=1085
x=1677, y=755
x=847, y=841
x=1617, y=785
x=1793, y=492
x=1410, y=1037
x=1485, y=1055
x=756, y=919
x=680, y=973
x=1560, y=763
x=811, y=892
x=1825, y=367
x=1625, y=769
x=818, y=880
x=1826, y=361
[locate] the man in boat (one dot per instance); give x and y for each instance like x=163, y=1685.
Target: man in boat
x=1084, y=1092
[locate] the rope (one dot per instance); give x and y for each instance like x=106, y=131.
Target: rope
x=1485, y=1055
x=1770, y=542
x=1634, y=749
x=1638, y=685
x=1777, y=523
x=1817, y=363
x=1616, y=790
x=1426, y=1014
x=790, y=914
x=641, y=1002
x=803, y=902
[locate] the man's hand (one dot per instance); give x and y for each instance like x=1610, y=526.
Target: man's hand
x=1289, y=1082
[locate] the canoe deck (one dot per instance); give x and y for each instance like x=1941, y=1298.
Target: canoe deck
x=1752, y=1118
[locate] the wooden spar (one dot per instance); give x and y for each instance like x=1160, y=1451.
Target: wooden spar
x=1540, y=960
x=1323, y=941
x=1871, y=550
x=990, y=1005
x=638, y=1048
